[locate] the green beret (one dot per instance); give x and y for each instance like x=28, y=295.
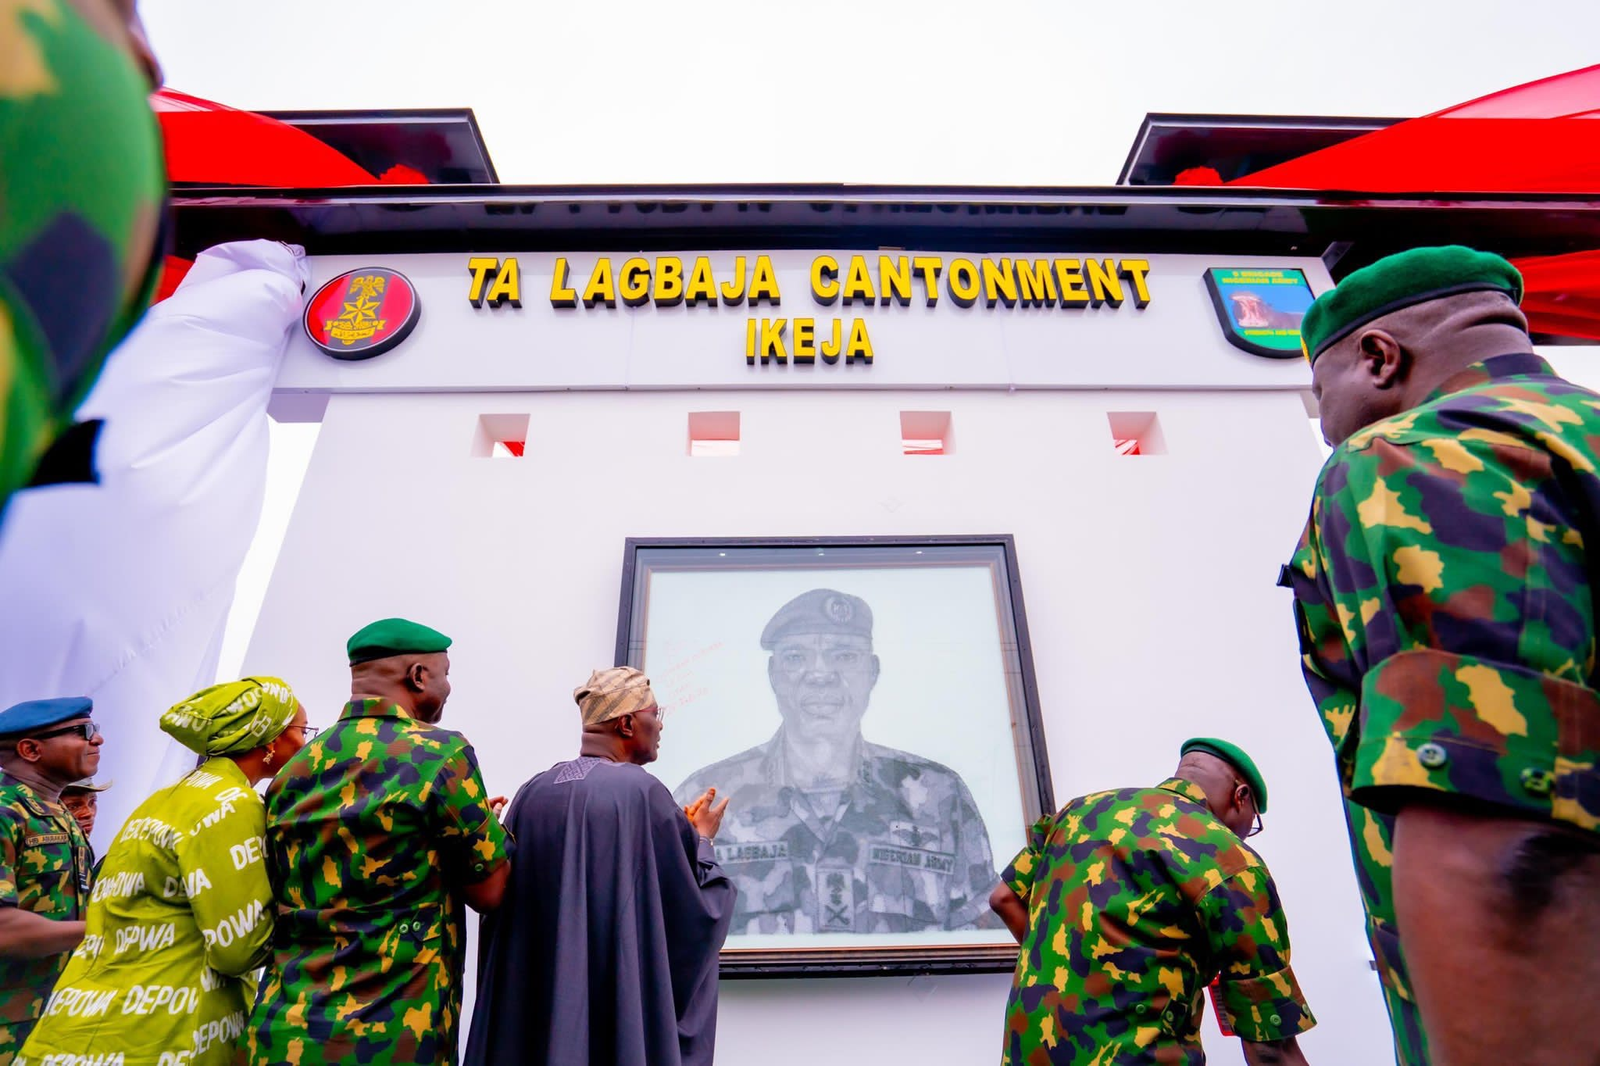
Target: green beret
x=819, y=611
x=1398, y=281
x=394, y=636
x=1235, y=757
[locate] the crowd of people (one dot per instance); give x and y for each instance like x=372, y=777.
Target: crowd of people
x=1443, y=600
x=1448, y=636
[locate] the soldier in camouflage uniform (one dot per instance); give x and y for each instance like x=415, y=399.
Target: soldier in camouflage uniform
x=1129, y=903
x=378, y=832
x=828, y=833
x=81, y=184
x=1444, y=601
x=45, y=874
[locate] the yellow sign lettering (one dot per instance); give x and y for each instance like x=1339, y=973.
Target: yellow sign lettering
x=634, y=283
x=479, y=267
x=805, y=341
x=825, y=280
x=601, y=289
x=702, y=287
x=561, y=294
x=763, y=283
x=669, y=281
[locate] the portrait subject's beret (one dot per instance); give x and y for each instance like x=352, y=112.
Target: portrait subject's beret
x=819, y=611
x=394, y=636
x=32, y=716
x=1235, y=756
x=1399, y=281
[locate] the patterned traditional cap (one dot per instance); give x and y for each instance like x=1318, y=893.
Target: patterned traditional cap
x=612, y=693
x=1234, y=756
x=33, y=716
x=232, y=718
x=1397, y=282
x=85, y=784
x=819, y=611
x=394, y=636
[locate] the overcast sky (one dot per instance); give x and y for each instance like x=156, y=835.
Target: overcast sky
x=1001, y=93
x=993, y=92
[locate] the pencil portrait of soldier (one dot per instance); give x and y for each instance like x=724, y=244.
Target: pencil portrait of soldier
x=826, y=831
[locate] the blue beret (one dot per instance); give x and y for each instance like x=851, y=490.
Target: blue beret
x=819, y=611
x=394, y=636
x=32, y=716
x=1398, y=281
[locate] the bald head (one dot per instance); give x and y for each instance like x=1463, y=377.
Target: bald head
x=1394, y=363
x=418, y=683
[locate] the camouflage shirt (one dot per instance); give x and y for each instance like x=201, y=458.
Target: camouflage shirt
x=903, y=849
x=371, y=829
x=1446, y=622
x=44, y=868
x=1136, y=900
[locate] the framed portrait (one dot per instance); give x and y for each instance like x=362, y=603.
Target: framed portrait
x=868, y=707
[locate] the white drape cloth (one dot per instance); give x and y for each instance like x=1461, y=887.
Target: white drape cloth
x=119, y=591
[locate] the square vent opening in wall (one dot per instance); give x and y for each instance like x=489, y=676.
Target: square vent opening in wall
x=713, y=433
x=500, y=437
x=925, y=433
x=1136, y=433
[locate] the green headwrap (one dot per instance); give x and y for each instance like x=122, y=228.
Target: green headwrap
x=232, y=718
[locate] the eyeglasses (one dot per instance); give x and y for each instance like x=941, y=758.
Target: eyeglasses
x=659, y=711
x=1258, y=826
x=87, y=730
x=309, y=731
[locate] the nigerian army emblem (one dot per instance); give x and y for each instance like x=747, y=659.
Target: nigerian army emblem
x=362, y=313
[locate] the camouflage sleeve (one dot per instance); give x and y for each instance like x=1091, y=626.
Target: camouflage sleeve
x=473, y=844
x=969, y=891
x=8, y=861
x=1455, y=567
x=1324, y=655
x=1249, y=937
x=1018, y=876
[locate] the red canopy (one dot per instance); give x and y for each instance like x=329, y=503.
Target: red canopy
x=208, y=143
x=1541, y=137
x=1538, y=137
x=213, y=144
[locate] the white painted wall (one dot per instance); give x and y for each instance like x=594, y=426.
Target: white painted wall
x=1148, y=583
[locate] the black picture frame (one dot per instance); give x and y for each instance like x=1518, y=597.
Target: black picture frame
x=643, y=557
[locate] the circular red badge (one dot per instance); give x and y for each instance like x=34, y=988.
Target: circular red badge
x=362, y=313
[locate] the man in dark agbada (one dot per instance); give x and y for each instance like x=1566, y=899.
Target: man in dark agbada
x=605, y=952
x=1444, y=596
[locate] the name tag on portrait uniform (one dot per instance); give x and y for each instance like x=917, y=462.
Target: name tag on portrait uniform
x=40, y=839
x=752, y=851
x=836, y=899
x=939, y=862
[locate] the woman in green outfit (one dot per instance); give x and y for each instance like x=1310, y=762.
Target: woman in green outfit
x=182, y=909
